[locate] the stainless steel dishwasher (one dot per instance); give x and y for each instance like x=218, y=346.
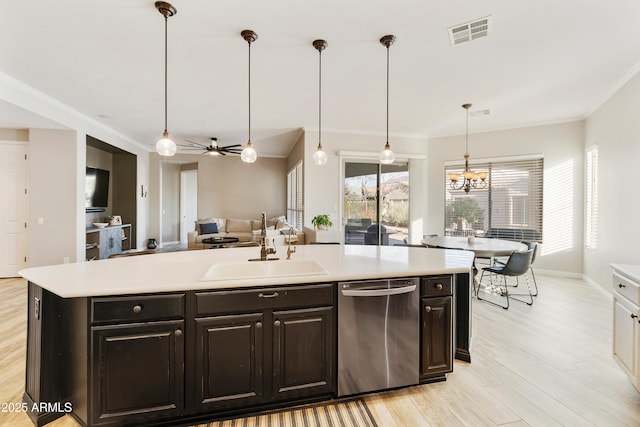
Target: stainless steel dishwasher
x=378, y=335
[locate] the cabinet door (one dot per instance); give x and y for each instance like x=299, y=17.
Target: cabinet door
x=624, y=345
x=229, y=360
x=137, y=371
x=303, y=342
x=436, y=346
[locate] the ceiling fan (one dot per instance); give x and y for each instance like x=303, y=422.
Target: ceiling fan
x=213, y=148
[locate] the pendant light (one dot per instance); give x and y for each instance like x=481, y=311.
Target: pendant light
x=386, y=156
x=165, y=146
x=249, y=154
x=320, y=157
x=469, y=177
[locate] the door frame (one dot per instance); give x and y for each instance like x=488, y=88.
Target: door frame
x=25, y=218
x=186, y=202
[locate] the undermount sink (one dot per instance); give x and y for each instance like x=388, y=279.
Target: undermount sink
x=262, y=269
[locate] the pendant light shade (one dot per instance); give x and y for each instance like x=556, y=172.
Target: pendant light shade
x=249, y=154
x=320, y=157
x=165, y=146
x=386, y=156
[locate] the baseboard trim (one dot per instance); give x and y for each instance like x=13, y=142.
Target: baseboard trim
x=558, y=273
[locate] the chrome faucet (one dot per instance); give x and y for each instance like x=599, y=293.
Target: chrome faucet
x=264, y=250
x=289, y=250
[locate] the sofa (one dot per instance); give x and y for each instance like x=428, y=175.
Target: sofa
x=245, y=230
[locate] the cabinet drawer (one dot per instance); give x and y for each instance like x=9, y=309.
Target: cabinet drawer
x=137, y=308
x=263, y=298
x=434, y=286
x=627, y=288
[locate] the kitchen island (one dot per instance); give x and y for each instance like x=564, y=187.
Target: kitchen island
x=203, y=334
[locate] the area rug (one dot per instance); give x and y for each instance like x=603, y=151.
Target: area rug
x=343, y=413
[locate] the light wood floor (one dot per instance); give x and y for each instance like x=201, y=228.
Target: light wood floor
x=545, y=365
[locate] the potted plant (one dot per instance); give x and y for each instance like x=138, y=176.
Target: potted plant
x=321, y=222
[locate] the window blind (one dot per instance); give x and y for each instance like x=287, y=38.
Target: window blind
x=295, y=206
x=510, y=207
x=591, y=198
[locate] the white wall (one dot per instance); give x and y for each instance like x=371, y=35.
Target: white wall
x=64, y=117
x=56, y=196
x=563, y=148
x=230, y=188
x=322, y=184
x=616, y=130
x=227, y=188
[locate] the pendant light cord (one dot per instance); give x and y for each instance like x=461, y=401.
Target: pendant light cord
x=320, y=98
x=249, y=79
x=387, y=94
x=166, y=20
x=467, y=133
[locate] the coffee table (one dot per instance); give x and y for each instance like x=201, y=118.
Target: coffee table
x=217, y=242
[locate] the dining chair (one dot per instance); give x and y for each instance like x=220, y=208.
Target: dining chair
x=534, y=247
x=517, y=265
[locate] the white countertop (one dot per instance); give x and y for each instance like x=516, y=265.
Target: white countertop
x=629, y=270
x=182, y=271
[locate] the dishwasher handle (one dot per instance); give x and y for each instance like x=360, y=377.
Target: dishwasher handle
x=378, y=292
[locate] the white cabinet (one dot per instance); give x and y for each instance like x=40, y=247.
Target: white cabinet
x=626, y=320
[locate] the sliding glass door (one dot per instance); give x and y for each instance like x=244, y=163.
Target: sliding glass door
x=376, y=203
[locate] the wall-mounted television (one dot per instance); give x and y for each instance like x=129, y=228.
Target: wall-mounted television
x=96, y=190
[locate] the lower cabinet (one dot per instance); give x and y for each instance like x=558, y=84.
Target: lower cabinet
x=258, y=346
x=626, y=325
x=437, y=328
x=137, y=371
x=228, y=360
x=303, y=343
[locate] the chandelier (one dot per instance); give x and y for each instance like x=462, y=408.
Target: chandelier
x=471, y=179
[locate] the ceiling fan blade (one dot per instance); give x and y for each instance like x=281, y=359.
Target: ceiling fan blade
x=231, y=146
x=192, y=144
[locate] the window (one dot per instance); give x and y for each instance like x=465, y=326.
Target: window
x=591, y=198
x=295, y=207
x=510, y=207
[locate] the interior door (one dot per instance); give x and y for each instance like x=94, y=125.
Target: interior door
x=188, y=202
x=13, y=213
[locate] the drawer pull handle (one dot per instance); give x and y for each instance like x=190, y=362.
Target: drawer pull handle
x=178, y=332
x=633, y=316
x=271, y=295
x=620, y=285
x=428, y=309
x=258, y=325
x=137, y=308
x=438, y=286
x=276, y=323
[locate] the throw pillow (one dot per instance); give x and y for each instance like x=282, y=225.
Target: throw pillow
x=209, y=228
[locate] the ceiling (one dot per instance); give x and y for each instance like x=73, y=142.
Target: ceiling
x=544, y=61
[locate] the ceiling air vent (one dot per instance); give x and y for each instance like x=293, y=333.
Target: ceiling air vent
x=485, y=112
x=470, y=30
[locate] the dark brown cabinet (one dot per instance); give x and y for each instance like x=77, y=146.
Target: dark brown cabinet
x=436, y=353
x=303, y=352
x=263, y=345
x=137, y=371
x=228, y=360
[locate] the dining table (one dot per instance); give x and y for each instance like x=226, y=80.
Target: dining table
x=483, y=247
